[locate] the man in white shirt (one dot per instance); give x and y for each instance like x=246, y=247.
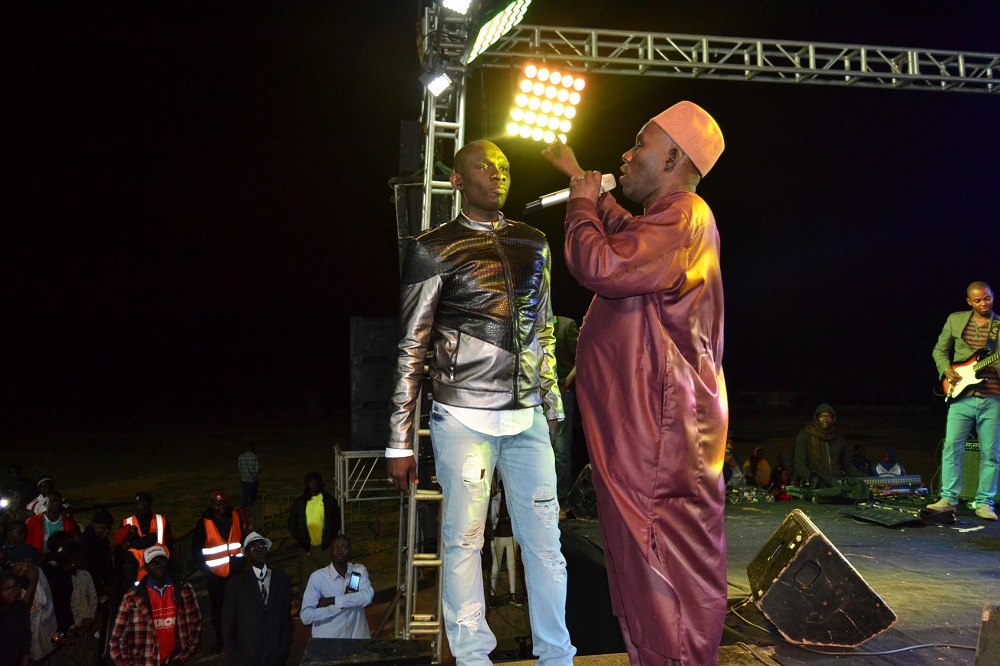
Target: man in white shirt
x=336, y=596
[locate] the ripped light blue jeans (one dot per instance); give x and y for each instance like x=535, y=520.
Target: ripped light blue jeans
x=464, y=460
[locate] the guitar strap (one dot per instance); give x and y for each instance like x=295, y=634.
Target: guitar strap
x=991, y=339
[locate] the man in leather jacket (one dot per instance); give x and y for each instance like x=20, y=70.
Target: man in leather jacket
x=475, y=291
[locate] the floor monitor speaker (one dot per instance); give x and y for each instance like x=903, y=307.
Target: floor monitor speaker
x=810, y=592
x=988, y=647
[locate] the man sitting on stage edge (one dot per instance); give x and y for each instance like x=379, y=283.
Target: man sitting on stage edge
x=821, y=455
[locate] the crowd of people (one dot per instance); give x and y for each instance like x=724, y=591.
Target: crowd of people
x=113, y=591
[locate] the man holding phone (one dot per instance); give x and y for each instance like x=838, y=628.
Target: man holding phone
x=335, y=598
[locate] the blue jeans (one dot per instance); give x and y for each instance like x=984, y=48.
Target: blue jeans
x=465, y=460
x=984, y=413
x=562, y=447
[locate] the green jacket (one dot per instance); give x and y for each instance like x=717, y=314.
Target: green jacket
x=950, y=346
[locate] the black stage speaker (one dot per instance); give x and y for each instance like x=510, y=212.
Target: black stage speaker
x=373, y=362
x=592, y=627
x=361, y=652
x=810, y=592
x=970, y=471
x=988, y=647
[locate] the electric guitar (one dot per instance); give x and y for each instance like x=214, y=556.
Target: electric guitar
x=967, y=370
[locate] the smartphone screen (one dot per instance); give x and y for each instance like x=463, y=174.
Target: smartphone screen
x=355, y=582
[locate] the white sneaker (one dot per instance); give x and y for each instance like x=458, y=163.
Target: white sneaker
x=985, y=511
x=941, y=505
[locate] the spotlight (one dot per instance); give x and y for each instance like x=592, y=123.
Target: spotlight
x=544, y=104
x=500, y=18
x=437, y=82
x=458, y=6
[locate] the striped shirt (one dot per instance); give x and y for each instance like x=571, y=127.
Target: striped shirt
x=976, y=337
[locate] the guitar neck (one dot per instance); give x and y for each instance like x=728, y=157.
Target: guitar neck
x=986, y=361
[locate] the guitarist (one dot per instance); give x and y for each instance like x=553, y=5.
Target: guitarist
x=963, y=335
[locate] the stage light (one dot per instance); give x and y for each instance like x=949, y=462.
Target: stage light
x=458, y=6
x=496, y=26
x=544, y=108
x=437, y=82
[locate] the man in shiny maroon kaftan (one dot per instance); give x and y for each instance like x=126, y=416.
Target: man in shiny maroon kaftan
x=651, y=387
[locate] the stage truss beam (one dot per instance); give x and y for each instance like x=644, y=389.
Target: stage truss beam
x=619, y=52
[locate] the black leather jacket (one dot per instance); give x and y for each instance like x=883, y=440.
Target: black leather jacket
x=477, y=294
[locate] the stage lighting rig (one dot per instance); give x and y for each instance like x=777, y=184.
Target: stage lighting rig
x=492, y=21
x=458, y=6
x=436, y=81
x=545, y=103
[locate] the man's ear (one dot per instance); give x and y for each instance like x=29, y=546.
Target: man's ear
x=456, y=180
x=672, y=159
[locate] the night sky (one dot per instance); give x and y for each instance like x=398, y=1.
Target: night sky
x=197, y=201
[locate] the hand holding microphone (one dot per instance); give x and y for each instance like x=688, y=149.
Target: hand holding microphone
x=590, y=185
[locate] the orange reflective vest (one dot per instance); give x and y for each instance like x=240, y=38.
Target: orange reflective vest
x=161, y=526
x=217, y=550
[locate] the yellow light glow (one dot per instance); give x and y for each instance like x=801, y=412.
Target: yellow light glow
x=521, y=100
x=534, y=103
x=530, y=70
x=554, y=123
x=538, y=89
x=562, y=95
x=562, y=137
x=574, y=98
x=549, y=137
x=558, y=109
x=541, y=120
x=543, y=74
x=567, y=81
x=550, y=92
x=512, y=129
x=570, y=112
x=565, y=126
x=555, y=78
x=525, y=131
x=537, y=134
x=578, y=84
x=517, y=114
x=526, y=86
x=529, y=117
x=546, y=106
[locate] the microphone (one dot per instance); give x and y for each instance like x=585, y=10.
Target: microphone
x=608, y=183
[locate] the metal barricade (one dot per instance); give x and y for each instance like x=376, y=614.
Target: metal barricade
x=357, y=480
